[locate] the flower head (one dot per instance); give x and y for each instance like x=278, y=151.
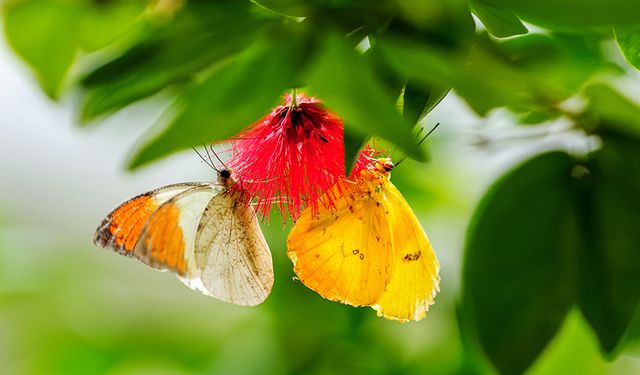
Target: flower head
x=290, y=157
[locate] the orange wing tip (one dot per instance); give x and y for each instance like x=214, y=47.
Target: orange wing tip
x=121, y=229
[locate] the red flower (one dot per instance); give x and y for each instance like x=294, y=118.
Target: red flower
x=290, y=157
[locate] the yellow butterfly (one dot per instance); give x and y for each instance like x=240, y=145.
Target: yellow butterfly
x=205, y=233
x=367, y=247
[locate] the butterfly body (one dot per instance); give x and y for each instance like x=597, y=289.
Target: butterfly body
x=367, y=248
x=205, y=233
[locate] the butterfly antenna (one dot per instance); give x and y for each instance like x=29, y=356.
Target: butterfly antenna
x=209, y=156
x=217, y=157
x=204, y=160
x=415, y=139
x=419, y=143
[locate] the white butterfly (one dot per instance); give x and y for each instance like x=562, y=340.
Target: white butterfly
x=205, y=233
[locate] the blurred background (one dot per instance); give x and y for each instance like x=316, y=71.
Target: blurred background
x=68, y=307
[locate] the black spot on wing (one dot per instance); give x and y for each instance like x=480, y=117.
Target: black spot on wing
x=409, y=257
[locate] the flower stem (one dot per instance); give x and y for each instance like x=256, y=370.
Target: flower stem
x=294, y=98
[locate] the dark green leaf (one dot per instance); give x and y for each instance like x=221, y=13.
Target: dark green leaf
x=571, y=15
x=629, y=42
x=391, y=81
x=229, y=99
x=519, y=277
x=610, y=297
x=44, y=34
x=500, y=22
x=419, y=100
x=614, y=110
x=347, y=84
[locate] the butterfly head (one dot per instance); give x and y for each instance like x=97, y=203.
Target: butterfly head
x=224, y=177
x=384, y=165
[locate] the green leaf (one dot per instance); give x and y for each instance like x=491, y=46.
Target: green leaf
x=44, y=35
x=539, y=115
x=610, y=298
x=500, y=22
x=614, y=110
x=100, y=24
x=169, y=55
x=231, y=98
x=419, y=100
x=628, y=39
x=347, y=85
x=290, y=8
x=556, y=65
x=432, y=65
x=519, y=277
x=571, y=15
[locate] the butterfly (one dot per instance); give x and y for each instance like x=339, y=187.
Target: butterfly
x=205, y=233
x=367, y=248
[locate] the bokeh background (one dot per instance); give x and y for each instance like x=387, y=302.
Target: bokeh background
x=67, y=307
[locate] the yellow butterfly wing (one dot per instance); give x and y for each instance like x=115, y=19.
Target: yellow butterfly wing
x=368, y=250
x=344, y=252
x=415, y=281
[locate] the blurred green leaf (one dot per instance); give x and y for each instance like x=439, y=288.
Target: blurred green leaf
x=44, y=34
x=610, y=298
x=613, y=109
x=347, y=84
x=539, y=115
x=231, y=98
x=390, y=80
x=628, y=39
x=482, y=83
x=288, y=7
x=571, y=15
x=556, y=65
x=444, y=23
x=519, y=277
x=419, y=100
x=500, y=22
x=101, y=23
x=169, y=55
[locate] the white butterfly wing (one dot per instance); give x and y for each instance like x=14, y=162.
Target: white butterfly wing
x=232, y=254
x=168, y=237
